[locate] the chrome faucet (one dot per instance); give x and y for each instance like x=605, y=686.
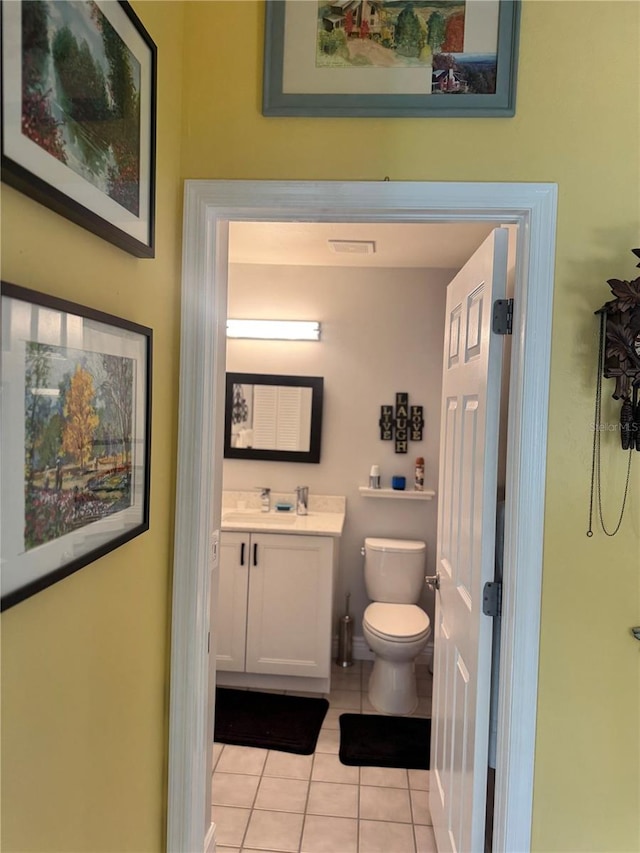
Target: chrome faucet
x=302, y=500
x=265, y=498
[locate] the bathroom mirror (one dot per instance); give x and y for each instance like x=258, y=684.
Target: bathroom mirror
x=272, y=417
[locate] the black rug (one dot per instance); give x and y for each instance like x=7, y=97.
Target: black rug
x=268, y=720
x=370, y=740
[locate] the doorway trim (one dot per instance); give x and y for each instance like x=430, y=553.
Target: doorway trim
x=209, y=207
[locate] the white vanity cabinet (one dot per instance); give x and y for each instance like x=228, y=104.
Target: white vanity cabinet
x=274, y=614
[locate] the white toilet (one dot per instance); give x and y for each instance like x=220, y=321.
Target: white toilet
x=395, y=628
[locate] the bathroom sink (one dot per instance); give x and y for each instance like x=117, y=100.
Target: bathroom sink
x=316, y=523
x=242, y=516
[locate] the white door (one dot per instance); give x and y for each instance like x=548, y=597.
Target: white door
x=465, y=549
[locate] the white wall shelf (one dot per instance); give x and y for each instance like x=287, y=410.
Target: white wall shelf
x=401, y=494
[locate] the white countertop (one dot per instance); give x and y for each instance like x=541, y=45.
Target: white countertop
x=241, y=512
x=312, y=524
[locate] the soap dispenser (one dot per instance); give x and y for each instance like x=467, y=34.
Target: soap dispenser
x=265, y=499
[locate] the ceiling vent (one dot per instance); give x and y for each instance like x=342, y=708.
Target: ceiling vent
x=353, y=247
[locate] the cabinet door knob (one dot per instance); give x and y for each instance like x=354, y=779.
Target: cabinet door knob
x=255, y=554
x=242, y=554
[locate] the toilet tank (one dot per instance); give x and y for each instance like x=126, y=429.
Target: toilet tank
x=394, y=569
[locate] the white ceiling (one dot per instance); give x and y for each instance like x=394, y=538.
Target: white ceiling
x=435, y=245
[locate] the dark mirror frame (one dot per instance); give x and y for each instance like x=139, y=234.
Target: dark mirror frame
x=316, y=383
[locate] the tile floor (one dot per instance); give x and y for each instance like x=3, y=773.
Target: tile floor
x=277, y=802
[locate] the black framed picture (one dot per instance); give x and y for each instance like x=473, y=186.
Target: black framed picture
x=75, y=438
x=79, y=114
x=391, y=58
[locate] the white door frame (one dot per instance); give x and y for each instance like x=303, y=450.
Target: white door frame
x=209, y=207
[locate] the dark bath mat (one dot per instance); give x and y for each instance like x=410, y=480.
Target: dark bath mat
x=370, y=740
x=268, y=720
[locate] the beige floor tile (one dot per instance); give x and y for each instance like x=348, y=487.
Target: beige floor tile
x=328, y=741
x=425, y=839
x=380, y=837
x=346, y=679
x=311, y=803
x=234, y=789
x=385, y=777
x=230, y=825
x=419, y=780
x=367, y=707
x=349, y=700
x=282, y=795
x=424, y=707
x=327, y=767
x=331, y=798
x=329, y=835
x=425, y=686
x=241, y=759
x=288, y=766
x=390, y=804
x=217, y=751
x=420, y=807
x=332, y=718
x=277, y=831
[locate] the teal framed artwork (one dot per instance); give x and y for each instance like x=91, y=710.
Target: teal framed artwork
x=391, y=58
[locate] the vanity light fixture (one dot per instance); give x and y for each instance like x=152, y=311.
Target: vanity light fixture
x=277, y=330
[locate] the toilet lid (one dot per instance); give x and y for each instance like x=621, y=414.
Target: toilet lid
x=394, y=545
x=403, y=621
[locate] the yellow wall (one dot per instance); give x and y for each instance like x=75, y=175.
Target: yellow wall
x=577, y=124
x=85, y=663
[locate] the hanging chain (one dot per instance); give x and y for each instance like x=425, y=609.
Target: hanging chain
x=596, y=421
x=596, y=466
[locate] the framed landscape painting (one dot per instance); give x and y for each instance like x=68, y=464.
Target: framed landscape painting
x=75, y=438
x=390, y=58
x=79, y=114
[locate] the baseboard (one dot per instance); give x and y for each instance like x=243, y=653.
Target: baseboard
x=210, y=839
x=361, y=651
x=258, y=681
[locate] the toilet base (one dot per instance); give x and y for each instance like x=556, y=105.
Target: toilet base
x=392, y=686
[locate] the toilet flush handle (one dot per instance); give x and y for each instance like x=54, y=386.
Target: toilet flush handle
x=433, y=580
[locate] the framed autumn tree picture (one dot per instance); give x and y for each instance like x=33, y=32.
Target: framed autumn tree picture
x=75, y=424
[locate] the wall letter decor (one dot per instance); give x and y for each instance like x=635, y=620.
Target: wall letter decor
x=405, y=424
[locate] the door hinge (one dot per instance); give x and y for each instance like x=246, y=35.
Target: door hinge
x=492, y=599
x=503, y=316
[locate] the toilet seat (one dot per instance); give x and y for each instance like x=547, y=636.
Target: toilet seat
x=395, y=546
x=399, y=623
